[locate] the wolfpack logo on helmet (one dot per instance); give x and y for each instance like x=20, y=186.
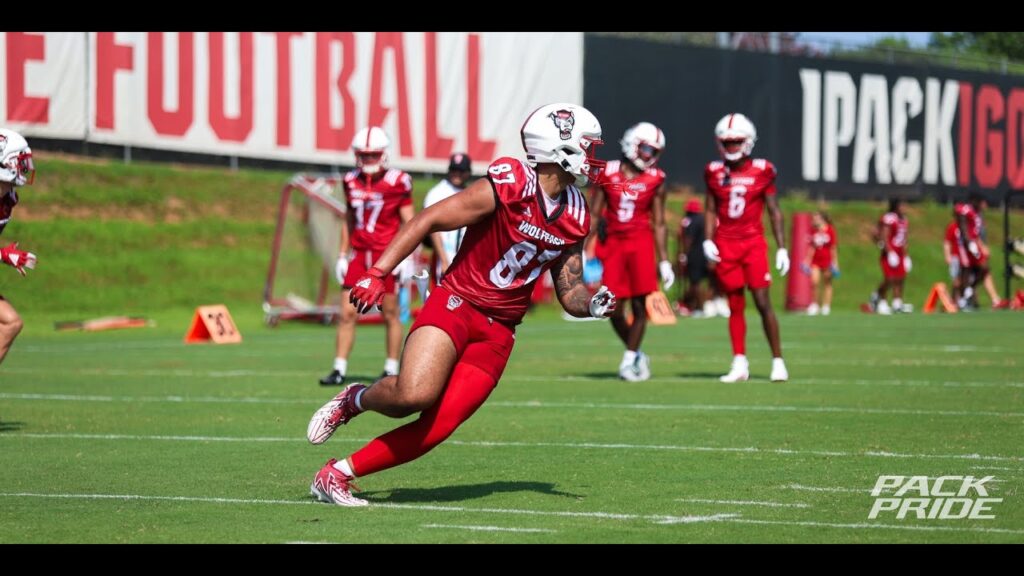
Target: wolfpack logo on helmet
x=564, y=121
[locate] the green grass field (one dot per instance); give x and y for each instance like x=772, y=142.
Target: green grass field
x=132, y=436
x=135, y=437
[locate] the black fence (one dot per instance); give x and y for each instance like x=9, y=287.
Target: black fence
x=834, y=128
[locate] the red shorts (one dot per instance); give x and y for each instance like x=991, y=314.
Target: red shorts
x=822, y=259
x=479, y=340
x=361, y=264
x=744, y=263
x=629, y=266
x=897, y=272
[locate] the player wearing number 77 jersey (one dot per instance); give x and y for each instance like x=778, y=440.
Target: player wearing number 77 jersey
x=379, y=201
x=526, y=217
x=738, y=188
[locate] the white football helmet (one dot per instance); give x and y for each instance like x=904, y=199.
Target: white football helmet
x=735, y=128
x=15, y=159
x=566, y=135
x=371, y=148
x=642, y=145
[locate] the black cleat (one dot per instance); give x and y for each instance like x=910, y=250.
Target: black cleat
x=335, y=378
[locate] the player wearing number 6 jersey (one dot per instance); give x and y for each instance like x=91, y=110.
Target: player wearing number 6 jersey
x=630, y=201
x=379, y=201
x=526, y=217
x=738, y=188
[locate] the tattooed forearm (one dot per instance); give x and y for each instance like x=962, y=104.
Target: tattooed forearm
x=568, y=276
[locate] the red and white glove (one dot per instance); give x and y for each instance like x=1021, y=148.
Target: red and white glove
x=368, y=291
x=974, y=249
x=18, y=258
x=602, y=304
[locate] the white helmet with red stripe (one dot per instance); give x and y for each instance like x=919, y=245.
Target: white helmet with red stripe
x=735, y=135
x=642, y=145
x=566, y=135
x=371, y=148
x=15, y=159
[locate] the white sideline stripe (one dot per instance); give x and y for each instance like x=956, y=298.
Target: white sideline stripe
x=830, y=489
x=521, y=378
x=491, y=444
x=533, y=404
x=180, y=372
x=752, y=408
x=172, y=399
x=870, y=526
x=486, y=528
x=995, y=468
x=745, y=503
x=853, y=490
x=830, y=381
x=657, y=518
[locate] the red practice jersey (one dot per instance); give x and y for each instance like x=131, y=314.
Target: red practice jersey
x=897, y=227
x=740, y=195
x=974, y=221
x=822, y=240
x=502, y=255
x=375, y=207
x=628, y=206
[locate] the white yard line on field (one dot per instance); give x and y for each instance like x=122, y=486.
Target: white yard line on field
x=539, y=404
x=496, y=444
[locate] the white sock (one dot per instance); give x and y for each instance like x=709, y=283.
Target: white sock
x=359, y=399
x=628, y=357
x=344, y=468
x=391, y=366
x=740, y=359
x=897, y=303
x=778, y=362
x=341, y=365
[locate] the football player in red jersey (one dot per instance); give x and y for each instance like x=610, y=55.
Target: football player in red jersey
x=822, y=262
x=631, y=199
x=955, y=255
x=379, y=201
x=892, y=239
x=16, y=169
x=971, y=224
x=738, y=188
x=526, y=217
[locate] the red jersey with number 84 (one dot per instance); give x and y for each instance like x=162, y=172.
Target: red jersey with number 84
x=503, y=255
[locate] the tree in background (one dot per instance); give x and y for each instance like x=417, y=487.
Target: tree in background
x=992, y=44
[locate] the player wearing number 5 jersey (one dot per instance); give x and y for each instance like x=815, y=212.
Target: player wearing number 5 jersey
x=738, y=188
x=632, y=196
x=379, y=201
x=526, y=217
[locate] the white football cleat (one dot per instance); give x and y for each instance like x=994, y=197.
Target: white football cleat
x=333, y=486
x=723, y=307
x=883, y=308
x=338, y=411
x=643, y=365
x=779, y=372
x=812, y=310
x=739, y=372
x=826, y=310
x=630, y=372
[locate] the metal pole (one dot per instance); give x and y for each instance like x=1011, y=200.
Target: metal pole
x=1007, y=243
